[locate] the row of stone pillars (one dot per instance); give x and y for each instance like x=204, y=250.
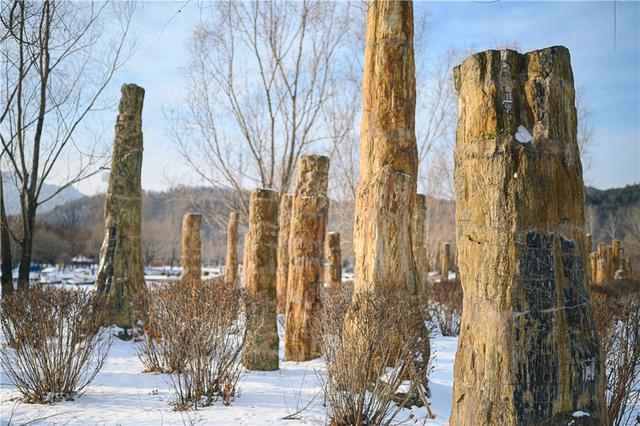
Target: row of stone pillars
x=528, y=350
x=608, y=263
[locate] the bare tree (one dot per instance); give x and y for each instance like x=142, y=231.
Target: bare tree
x=258, y=78
x=57, y=59
x=612, y=225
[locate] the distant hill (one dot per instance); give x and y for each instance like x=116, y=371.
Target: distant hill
x=72, y=227
x=12, y=197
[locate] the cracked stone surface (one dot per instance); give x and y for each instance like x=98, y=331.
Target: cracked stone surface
x=528, y=349
x=260, y=265
x=120, y=271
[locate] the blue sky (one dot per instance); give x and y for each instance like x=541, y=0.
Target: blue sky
x=609, y=78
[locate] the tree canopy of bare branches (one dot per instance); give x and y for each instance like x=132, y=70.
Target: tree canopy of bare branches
x=57, y=59
x=258, y=79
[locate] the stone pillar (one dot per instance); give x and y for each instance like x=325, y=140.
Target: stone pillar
x=602, y=264
x=309, y=210
x=589, y=242
x=284, y=221
x=616, y=256
x=593, y=264
x=259, y=271
x=528, y=349
x=191, y=257
x=388, y=152
x=445, y=262
x=418, y=239
x=231, y=264
x=334, y=260
x=120, y=272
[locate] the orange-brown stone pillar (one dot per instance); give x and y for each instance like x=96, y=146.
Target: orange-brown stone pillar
x=334, y=260
x=231, y=264
x=191, y=256
x=284, y=221
x=388, y=152
x=528, y=349
x=260, y=266
x=309, y=212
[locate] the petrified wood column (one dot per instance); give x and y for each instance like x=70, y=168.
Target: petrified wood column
x=120, y=272
x=260, y=265
x=445, y=262
x=283, y=250
x=418, y=240
x=528, y=350
x=334, y=260
x=231, y=265
x=309, y=212
x=388, y=152
x=191, y=257
x=603, y=272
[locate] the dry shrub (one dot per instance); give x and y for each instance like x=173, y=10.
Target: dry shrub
x=617, y=315
x=376, y=347
x=445, y=306
x=195, y=333
x=54, y=344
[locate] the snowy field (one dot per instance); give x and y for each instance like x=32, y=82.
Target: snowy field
x=122, y=394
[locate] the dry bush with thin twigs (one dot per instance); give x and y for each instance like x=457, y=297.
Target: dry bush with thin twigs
x=445, y=306
x=196, y=334
x=617, y=315
x=54, y=343
x=376, y=347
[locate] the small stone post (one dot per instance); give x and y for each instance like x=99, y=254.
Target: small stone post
x=418, y=240
x=120, y=271
x=445, y=262
x=603, y=272
x=334, y=260
x=191, y=257
x=309, y=212
x=231, y=264
x=528, y=349
x=260, y=266
x=284, y=221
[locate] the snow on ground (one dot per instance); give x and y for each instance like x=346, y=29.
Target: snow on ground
x=122, y=395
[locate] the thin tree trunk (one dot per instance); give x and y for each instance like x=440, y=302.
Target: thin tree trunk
x=5, y=247
x=26, y=247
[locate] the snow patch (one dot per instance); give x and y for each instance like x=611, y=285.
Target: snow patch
x=578, y=414
x=523, y=135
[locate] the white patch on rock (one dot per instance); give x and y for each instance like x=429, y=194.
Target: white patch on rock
x=515, y=175
x=579, y=414
x=523, y=135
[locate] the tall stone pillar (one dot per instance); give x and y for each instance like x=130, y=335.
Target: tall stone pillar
x=388, y=152
x=528, y=350
x=284, y=221
x=418, y=239
x=120, y=272
x=231, y=265
x=260, y=267
x=593, y=264
x=589, y=242
x=191, y=257
x=334, y=260
x=309, y=212
x=445, y=262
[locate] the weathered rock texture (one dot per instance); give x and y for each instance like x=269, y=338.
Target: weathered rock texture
x=309, y=212
x=260, y=267
x=418, y=239
x=445, y=262
x=609, y=262
x=231, y=265
x=528, y=350
x=283, y=250
x=334, y=260
x=388, y=152
x=191, y=258
x=120, y=272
